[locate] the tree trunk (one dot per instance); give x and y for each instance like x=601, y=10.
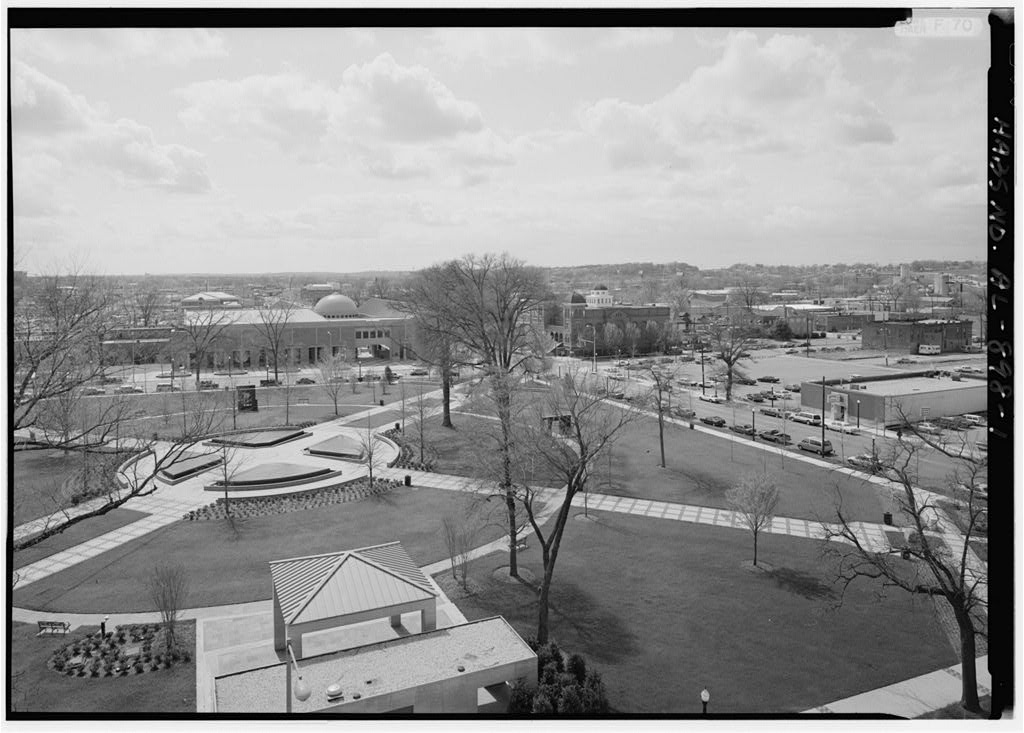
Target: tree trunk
x=446, y=397
x=755, y=549
x=513, y=552
x=969, y=673
x=542, y=608
x=661, y=434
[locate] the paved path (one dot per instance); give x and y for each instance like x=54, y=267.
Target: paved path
x=912, y=697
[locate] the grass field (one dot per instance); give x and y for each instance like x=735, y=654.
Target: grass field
x=76, y=535
x=663, y=608
x=225, y=568
x=38, y=474
x=36, y=689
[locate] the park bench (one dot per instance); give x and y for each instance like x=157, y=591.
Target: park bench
x=53, y=627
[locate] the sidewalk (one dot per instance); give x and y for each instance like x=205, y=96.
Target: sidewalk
x=912, y=697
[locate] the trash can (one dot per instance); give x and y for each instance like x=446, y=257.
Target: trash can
x=382, y=403
x=887, y=518
x=408, y=480
x=691, y=424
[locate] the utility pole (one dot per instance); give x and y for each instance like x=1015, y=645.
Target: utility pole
x=823, y=416
x=702, y=388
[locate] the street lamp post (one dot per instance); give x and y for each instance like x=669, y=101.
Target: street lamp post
x=593, y=363
x=705, y=698
x=702, y=388
x=858, y=414
x=753, y=425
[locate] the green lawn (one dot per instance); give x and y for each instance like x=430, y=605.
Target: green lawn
x=38, y=475
x=77, y=534
x=663, y=608
x=700, y=468
x=36, y=689
x=224, y=568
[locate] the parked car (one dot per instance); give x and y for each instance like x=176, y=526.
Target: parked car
x=270, y=383
x=792, y=351
x=807, y=418
x=928, y=428
x=97, y=390
x=974, y=419
x=952, y=423
x=622, y=362
x=776, y=436
x=789, y=345
x=769, y=379
x=747, y=429
x=713, y=420
x=418, y=373
x=905, y=360
x=711, y=398
x=771, y=411
x=167, y=388
x=745, y=380
x=207, y=384
x=755, y=398
x=306, y=380
x=110, y=380
x=128, y=389
x=684, y=414
x=793, y=387
x=866, y=461
x=842, y=427
x=620, y=395
x=816, y=445
x=687, y=358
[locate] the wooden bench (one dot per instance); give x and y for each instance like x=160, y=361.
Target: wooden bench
x=53, y=627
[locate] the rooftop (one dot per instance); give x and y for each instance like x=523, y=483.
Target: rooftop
x=378, y=669
x=913, y=385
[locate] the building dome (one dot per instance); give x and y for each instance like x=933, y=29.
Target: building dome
x=336, y=305
x=601, y=287
x=577, y=298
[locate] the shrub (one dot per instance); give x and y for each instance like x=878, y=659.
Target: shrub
x=520, y=699
x=570, y=702
x=577, y=667
x=542, y=705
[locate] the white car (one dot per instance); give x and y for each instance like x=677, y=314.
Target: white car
x=928, y=428
x=842, y=427
x=711, y=398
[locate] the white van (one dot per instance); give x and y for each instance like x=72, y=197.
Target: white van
x=974, y=419
x=816, y=445
x=929, y=349
x=808, y=418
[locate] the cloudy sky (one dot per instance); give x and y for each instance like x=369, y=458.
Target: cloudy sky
x=257, y=150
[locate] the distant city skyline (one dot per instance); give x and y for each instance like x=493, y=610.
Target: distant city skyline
x=345, y=150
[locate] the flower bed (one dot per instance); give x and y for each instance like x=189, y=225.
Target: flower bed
x=295, y=502
x=130, y=649
x=408, y=452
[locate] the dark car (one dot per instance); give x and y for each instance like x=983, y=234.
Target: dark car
x=418, y=373
x=793, y=387
x=684, y=414
x=110, y=380
x=270, y=383
x=96, y=391
x=769, y=379
x=745, y=380
x=305, y=380
x=792, y=351
x=128, y=389
x=713, y=420
x=755, y=398
x=771, y=411
x=747, y=429
x=776, y=436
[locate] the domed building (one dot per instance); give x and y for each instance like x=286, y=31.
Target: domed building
x=336, y=305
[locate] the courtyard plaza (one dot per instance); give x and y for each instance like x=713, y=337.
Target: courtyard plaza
x=238, y=635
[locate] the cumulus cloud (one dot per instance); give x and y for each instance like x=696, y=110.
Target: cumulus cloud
x=48, y=117
x=390, y=120
x=784, y=94
x=404, y=103
x=175, y=46
x=638, y=37
x=500, y=47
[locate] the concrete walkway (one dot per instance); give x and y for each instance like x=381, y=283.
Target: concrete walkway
x=912, y=697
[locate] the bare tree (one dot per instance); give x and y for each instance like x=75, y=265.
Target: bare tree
x=420, y=423
x=755, y=499
x=935, y=563
x=370, y=443
x=729, y=343
x=631, y=337
x=573, y=456
x=271, y=327
x=57, y=341
x=612, y=337
x=143, y=307
x=202, y=330
x=132, y=478
x=332, y=371
x=749, y=294
x=661, y=396
x=460, y=534
x=168, y=590
x=434, y=341
x=380, y=288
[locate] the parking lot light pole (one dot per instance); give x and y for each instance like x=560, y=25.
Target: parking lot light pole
x=753, y=425
x=703, y=390
x=823, y=416
x=858, y=414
